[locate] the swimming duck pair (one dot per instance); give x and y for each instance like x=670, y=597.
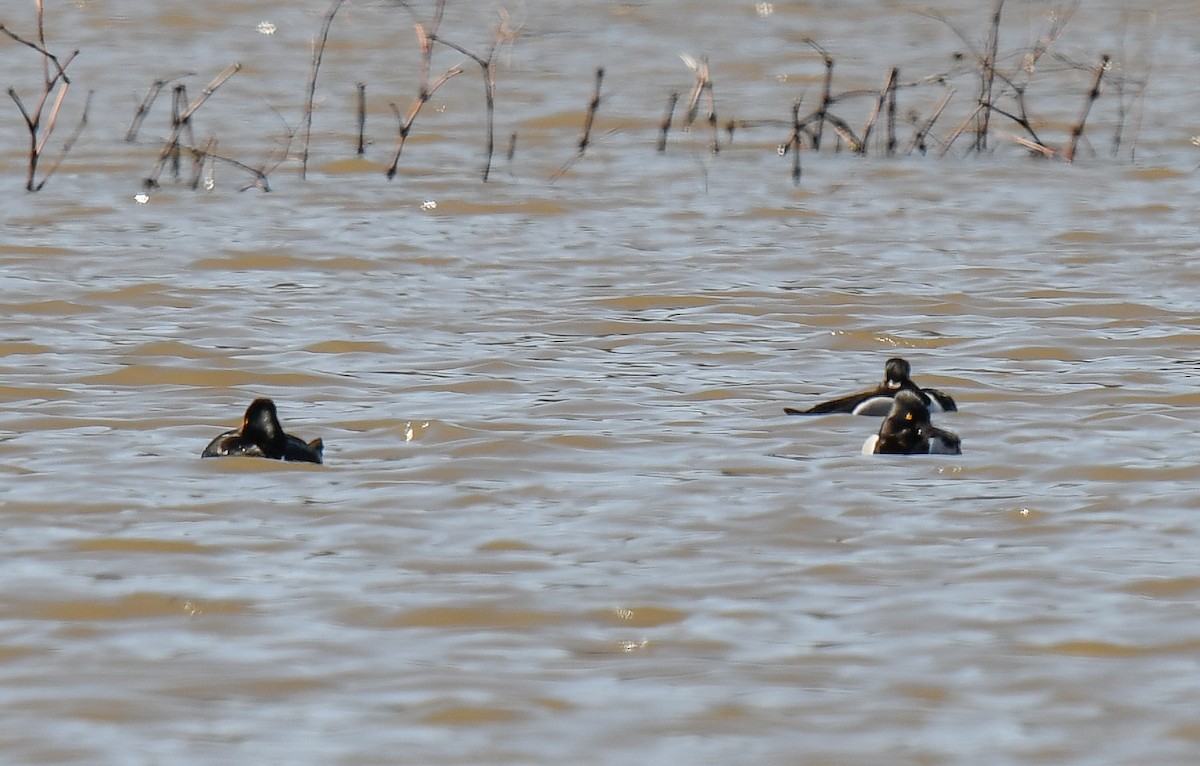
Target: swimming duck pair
x=907, y=428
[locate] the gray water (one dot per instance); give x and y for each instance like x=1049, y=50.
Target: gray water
x=563, y=518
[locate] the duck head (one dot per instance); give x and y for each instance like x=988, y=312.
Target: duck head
x=261, y=426
x=896, y=372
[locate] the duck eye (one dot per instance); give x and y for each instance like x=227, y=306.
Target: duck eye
x=908, y=416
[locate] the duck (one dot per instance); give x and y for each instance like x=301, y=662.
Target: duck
x=877, y=402
x=907, y=430
x=261, y=435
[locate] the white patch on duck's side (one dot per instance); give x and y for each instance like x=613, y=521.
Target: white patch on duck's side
x=876, y=406
x=880, y=406
x=869, y=444
x=942, y=445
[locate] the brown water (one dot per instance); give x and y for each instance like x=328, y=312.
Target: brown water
x=563, y=518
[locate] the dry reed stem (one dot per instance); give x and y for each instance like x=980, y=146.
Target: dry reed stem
x=987, y=78
x=181, y=120
x=143, y=109
x=890, y=146
x=406, y=122
x=47, y=56
x=57, y=84
x=1136, y=102
x=703, y=87
x=201, y=157
x=41, y=30
x=996, y=84
x=888, y=87
x=425, y=90
x=712, y=121
x=178, y=125
x=318, y=54
x=1033, y=146
x=958, y=130
x=52, y=119
x=503, y=33
x=1093, y=94
x=1017, y=82
x=260, y=176
x=1020, y=119
x=665, y=126
x=362, y=118
x=700, y=71
x=794, y=143
x=210, y=89
x=844, y=132
x=69, y=143
x=826, y=95
x=593, y=107
x=585, y=134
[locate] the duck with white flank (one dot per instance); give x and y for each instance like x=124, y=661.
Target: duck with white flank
x=907, y=430
x=261, y=435
x=878, y=401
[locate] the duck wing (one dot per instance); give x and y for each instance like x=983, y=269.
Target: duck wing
x=943, y=442
x=232, y=443
x=939, y=399
x=877, y=401
x=296, y=450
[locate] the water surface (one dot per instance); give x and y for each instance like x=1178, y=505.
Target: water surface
x=563, y=517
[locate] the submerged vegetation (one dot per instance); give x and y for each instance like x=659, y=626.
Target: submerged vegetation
x=981, y=99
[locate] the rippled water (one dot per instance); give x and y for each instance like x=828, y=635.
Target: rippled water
x=563, y=517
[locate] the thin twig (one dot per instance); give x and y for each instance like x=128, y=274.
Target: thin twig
x=987, y=76
x=826, y=96
x=318, y=54
x=200, y=158
x=503, y=33
x=918, y=142
x=47, y=55
x=958, y=129
x=210, y=89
